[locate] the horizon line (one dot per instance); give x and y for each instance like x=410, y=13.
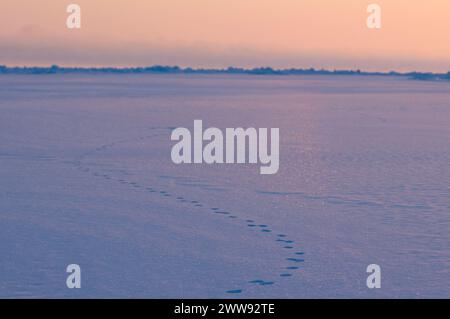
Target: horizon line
x=263, y=70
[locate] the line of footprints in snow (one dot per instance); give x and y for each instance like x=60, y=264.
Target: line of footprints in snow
x=295, y=259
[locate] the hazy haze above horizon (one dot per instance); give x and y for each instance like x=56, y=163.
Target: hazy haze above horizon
x=221, y=33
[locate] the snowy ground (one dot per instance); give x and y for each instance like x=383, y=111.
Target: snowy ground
x=86, y=178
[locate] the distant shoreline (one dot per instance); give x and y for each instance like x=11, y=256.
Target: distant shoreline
x=159, y=69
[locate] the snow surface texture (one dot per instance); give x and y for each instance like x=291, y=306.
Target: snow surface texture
x=86, y=178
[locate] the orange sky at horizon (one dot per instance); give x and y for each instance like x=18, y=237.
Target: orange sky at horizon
x=219, y=33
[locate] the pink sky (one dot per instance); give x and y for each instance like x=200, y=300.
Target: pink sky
x=415, y=34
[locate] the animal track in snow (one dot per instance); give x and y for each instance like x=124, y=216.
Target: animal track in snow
x=250, y=223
